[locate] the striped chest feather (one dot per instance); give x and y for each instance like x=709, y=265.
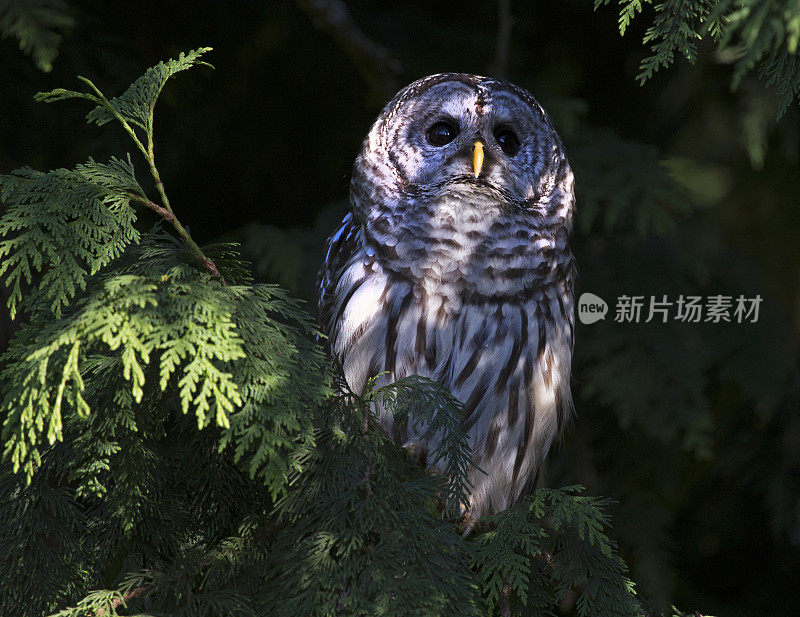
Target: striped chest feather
x=507, y=358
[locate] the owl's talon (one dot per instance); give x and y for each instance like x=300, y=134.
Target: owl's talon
x=414, y=452
x=468, y=523
x=466, y=527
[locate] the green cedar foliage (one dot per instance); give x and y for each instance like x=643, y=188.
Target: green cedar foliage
x=35, y=24
x=550, y=544
x=174, y=443
x=363, y=535
x=761, y=35
x=104, y=299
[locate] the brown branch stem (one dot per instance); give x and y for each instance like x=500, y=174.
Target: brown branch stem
x=505, y=600
x=164, y=211
x=125, y=598
x=169, y=216
x=161, y=211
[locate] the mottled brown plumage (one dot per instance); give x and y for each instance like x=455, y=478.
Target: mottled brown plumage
x=461, y=271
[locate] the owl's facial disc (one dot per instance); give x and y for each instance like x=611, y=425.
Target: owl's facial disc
x=431, y=141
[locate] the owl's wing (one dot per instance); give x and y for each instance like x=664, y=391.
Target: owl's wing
x=340, y=249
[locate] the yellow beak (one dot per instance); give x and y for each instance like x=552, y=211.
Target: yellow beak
x=477, y=158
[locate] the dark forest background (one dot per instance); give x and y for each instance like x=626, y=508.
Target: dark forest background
x=684, y=187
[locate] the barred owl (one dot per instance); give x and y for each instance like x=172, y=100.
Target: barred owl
x=454, y=264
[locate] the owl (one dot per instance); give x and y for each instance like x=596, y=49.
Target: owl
x=454, y=263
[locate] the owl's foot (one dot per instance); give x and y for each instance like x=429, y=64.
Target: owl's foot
x=468, y=524
x=415, y=452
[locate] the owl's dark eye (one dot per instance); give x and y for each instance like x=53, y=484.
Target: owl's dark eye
x=508, y=141
x=442, y=133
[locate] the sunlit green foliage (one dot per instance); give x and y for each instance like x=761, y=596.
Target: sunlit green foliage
x=65, y=223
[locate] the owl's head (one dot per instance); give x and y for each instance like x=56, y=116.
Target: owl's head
x=468, y=134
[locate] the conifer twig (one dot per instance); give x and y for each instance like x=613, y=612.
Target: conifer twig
x=169, y=216
x=164, y=211
x=505, y=601
x=125, y=598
